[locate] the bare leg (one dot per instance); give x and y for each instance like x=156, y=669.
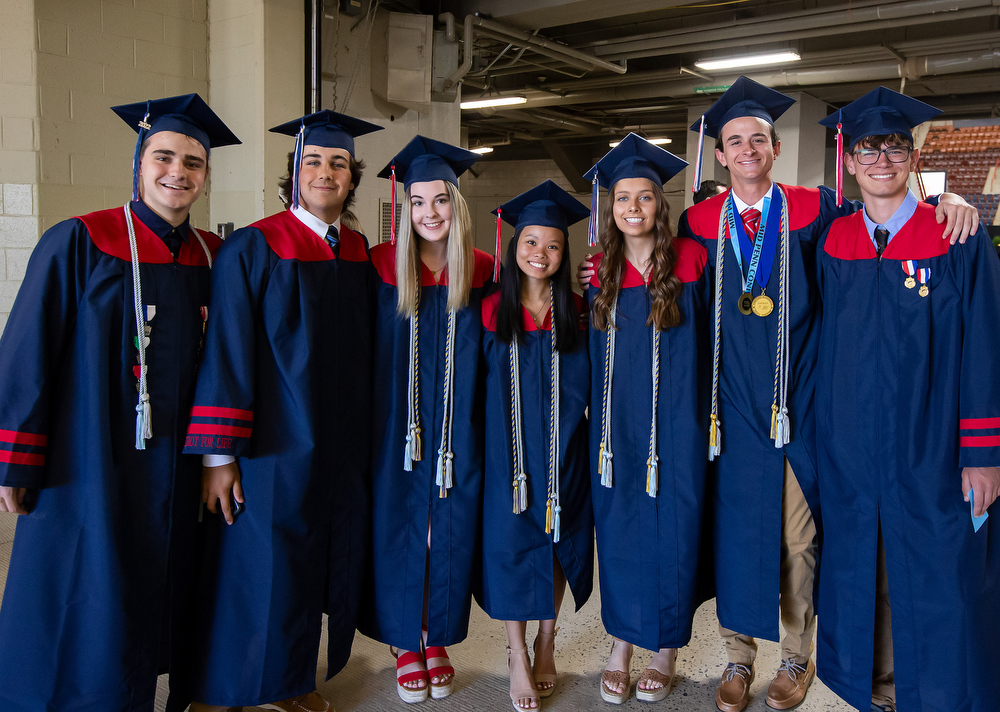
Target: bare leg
x=522, y=684
x=545, y=665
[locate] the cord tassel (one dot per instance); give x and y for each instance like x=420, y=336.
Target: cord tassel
x=607, y=471
x=496, y=253
x=556, y=523
x=714, y=438
x=548, y=516
x=143, y=422
x=392, y=204
x=592, y=223
x=652, y=476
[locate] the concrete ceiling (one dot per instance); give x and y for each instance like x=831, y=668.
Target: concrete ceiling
x=946, y=52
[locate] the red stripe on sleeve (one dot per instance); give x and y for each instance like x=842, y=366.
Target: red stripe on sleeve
x=213, y=429
x=979, y=441
x=208, y=411
x=18, y=438
x=22, y=458
x=978, y=423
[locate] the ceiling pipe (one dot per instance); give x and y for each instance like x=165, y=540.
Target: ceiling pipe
x=466, y=65
x=794, y=26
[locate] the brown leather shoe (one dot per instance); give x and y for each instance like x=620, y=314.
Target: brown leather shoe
x=733, y=693
x=311, y=702
x=790, y=685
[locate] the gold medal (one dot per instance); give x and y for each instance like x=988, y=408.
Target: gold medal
x=910, y=283
x=924, y=290
x=762, y=305
x=746, y=303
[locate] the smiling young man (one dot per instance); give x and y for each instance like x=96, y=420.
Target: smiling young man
x=908, y=425
x=97, y=599
x=761, y=239
x=281, y=417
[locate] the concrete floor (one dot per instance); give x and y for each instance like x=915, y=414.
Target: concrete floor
x=367, y=684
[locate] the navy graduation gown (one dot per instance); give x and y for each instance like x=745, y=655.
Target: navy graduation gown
x=405, y=502
x=649, y=548
x=908, y=393
x=517, y=553
x=284, y=387
x=97, y=596
x=750, y=470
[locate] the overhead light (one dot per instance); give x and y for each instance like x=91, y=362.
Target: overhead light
x=753, y=60
x=495, y=101
x=654, y=141
x=482, y=149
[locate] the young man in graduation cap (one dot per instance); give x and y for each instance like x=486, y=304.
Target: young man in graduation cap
x=98, y=363
x=908, y=425
x=761, y=240
x=281, y=414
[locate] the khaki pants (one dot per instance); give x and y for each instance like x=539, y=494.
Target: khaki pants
x=798, y=569
x=883, y=680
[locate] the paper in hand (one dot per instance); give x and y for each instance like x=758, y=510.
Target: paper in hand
x=977, y=522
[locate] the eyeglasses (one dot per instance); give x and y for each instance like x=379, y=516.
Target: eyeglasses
x=895, y=154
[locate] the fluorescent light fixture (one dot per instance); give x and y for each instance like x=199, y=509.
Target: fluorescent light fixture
x=495, y=101
x=654, y=141
x=753, y=60
x=489, y=149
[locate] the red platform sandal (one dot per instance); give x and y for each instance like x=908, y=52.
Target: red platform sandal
x=409, y=668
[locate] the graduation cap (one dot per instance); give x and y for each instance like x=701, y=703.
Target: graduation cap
x=744, y=98
x=327, y=129
x=634, y=157
x=880, y=112
x=546, y=205
x=422, y=160
x=187, y=114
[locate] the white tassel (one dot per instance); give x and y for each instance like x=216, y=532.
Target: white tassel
x=448, y=470
x=779, y=430
x=555, y=523
x=439, y=479
x=652, y=476
x=715, y=439
x=408, y=454
x=143, y=422
x=607, y=471
x=522, y=492
x=787, y=429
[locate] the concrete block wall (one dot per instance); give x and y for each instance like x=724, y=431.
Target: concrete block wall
x=63, y=63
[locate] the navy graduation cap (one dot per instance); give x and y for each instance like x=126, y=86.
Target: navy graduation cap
x=327, y=129
x=744, y=98
x=634, y=157
x=187, y=114
x=546, y=205
x=422, y=160
x=880, y=112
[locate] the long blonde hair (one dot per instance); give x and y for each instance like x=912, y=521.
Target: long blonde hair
x=461, y=257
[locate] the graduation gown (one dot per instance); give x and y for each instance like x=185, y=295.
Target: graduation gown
x=405, y=502
x=750, y=470
x=517, y=553
x=284, y=387
x=908, y=393
x=97, y=596
x=649, y=548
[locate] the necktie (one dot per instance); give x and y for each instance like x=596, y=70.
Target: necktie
x=751, y=221
x=333, y=238
x=882, y=239
x=173, y=241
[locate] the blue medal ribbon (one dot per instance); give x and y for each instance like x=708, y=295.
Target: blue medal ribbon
x=761, y=259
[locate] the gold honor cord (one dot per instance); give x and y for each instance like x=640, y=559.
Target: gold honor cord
x=553, y=507
x=413, y=448
x=652, y=462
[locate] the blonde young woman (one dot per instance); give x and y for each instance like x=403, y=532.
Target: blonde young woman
x=427, y=440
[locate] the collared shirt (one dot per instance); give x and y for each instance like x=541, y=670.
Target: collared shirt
x=741, y=206
x=320, y=228
x=173, y=237
x=899, y=218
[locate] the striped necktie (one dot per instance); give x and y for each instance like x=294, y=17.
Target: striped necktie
x=751, y=221
x=333, y=238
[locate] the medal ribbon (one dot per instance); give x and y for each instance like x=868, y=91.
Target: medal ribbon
x=761, y=260
x=910, y=267
x=923, y=274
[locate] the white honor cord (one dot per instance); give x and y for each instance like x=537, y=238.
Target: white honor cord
x=445, y=463
x=520, y=481
x=144, y=415
x=412, y=451
x=605, y=456
x=554, y=506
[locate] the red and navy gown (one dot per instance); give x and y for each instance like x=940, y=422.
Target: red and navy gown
x=908, y=394
x=650, y=554
x=97, y=596
x=517, y=553
x=404, y=503
x=750, y=471
x=284, y=387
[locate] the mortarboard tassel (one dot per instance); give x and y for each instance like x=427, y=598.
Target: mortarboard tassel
x=392, y=204
x=696, y=184
x=592, y=225
x=496, y=253
x=840, y=161
x=296, y=162
x=144, y=126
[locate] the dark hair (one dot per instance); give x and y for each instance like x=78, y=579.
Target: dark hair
x=566, y=316
x=285, y=182
x=719, y=143
x=707, y=189
x=664, y=286
x=893, y=139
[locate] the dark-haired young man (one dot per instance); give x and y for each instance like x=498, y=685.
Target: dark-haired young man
x=908, y=425
x=97, y=365
x=281, y=415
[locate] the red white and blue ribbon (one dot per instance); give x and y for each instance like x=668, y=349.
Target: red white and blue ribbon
x=923, y=274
